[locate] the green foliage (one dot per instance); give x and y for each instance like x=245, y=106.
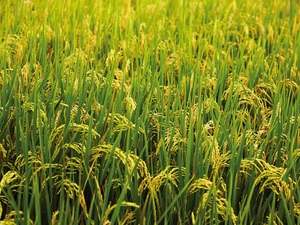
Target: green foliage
x=149, y=112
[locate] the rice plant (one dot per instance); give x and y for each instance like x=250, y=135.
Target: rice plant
x=149, y=112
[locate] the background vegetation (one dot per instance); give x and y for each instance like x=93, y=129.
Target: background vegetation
x=149, y=112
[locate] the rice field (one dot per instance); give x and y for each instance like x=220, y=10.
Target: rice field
x=149, y=112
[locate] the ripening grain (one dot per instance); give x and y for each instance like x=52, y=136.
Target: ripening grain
x=149, y=112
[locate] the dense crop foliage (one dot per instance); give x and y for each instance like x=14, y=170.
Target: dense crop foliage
x=149, y=112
